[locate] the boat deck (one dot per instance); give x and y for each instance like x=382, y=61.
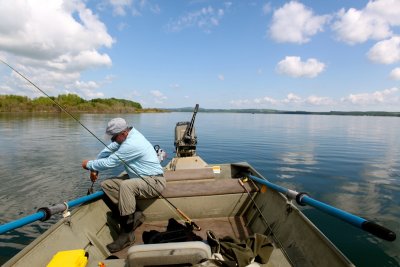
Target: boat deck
x=225, y=226
x=215, y=201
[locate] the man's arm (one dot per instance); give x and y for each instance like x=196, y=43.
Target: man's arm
x=107, y=151
x=103, y=164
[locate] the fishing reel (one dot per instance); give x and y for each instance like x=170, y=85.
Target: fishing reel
x=161, y=154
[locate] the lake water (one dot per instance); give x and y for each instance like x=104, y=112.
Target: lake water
x=349, y=162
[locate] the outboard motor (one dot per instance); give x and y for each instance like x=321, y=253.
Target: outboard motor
x=185, y=137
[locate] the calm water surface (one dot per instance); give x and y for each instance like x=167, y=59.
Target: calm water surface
x=350, y=162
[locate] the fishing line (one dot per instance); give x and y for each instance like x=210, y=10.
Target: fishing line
x=178, y=211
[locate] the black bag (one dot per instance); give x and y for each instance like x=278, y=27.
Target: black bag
x=175, y=232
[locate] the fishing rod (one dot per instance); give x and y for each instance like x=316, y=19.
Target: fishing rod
x=181, y=213
x=303, y=199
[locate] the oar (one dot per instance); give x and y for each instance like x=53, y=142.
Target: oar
x=45, y=213
x=303, y=199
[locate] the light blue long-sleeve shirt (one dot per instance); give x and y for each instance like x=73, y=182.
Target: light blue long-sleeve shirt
x=136, y=151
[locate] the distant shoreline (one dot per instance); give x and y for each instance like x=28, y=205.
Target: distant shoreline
x=74, y=104
x=272, y=111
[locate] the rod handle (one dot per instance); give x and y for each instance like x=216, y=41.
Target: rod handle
x=378, y=230
x=188, y=220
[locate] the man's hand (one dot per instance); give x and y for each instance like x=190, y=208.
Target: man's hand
x=94, y=175
x=84, y=163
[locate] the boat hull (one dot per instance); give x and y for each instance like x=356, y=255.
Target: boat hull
x=228, y=210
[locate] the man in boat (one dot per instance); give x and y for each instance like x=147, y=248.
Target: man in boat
x=143, y=177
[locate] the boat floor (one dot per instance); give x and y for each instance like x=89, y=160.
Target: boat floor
x=225, y=226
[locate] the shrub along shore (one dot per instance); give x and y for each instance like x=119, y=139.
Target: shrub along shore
x=71, y=102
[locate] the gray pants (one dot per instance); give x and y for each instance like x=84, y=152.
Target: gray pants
x=123, y=190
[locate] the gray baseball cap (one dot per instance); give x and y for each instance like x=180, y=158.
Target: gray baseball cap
x=115, y=126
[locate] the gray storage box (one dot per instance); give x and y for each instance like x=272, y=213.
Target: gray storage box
x=165, y=254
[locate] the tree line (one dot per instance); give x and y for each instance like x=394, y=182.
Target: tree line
x=274, y=111
x=71, y=102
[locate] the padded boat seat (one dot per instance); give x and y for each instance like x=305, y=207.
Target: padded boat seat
x=168, y=254
x=189, y=174
x=206, y=188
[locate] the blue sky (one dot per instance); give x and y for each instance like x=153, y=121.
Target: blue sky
x=288, y=55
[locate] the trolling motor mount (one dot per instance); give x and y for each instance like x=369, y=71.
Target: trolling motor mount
x=185, y=137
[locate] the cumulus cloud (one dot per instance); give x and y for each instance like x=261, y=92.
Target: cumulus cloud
x=372, y=22
x=387, y=96
x=4, y=89
x=87, y=89
x=370, y=101
x=319, y=101
x=265, y=100
x=294, y=67
x=158, y=96
x=295, y=23
x=205, y=19
x=32, y=36
x=395, y=74
x=386, y=51
x=36, y=44
x=290, y=100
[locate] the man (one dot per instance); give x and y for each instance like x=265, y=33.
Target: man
x=143, y=177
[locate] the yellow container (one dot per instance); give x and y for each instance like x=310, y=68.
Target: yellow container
x=69, y=258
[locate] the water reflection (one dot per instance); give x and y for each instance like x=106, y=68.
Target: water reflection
x=349, y=162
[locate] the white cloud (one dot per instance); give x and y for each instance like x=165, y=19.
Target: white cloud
x=294, y=67
x=369, y=101
x=295, y=23
x=395, y=74
x=87, y=89
x=159, y=97
x=34, y=42
x=372, y=22
x=32, y=35
x=319, y=101
x=386, y=52
x=4, y=89
x=119, y=6
x=221, y=77
x=292, y=98
x=265, y=100
x=206, y=19
x=85, y=85
x=387, y=96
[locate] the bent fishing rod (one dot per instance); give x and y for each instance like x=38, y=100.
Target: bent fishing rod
x=303, y=199
x=48, y=211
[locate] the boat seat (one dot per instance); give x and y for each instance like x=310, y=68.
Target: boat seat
x=168, y=254
x=189, y=174
x=206, y=188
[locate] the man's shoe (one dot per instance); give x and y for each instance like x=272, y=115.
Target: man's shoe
x=124, y=240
